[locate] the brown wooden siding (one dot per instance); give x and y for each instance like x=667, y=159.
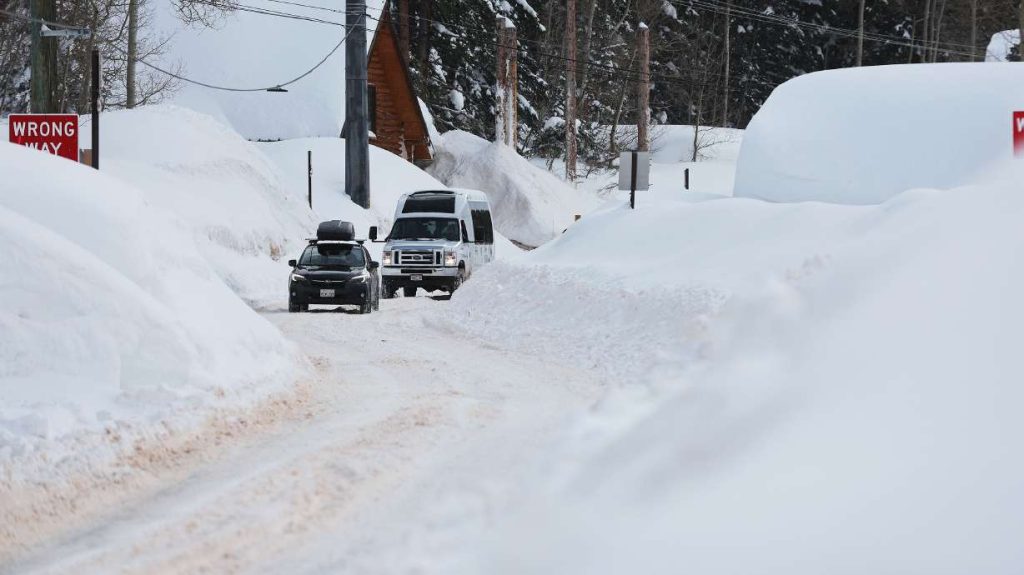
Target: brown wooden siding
x=399, y=122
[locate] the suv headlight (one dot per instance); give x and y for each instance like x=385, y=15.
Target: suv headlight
x=449, y=258
x=298, y=278
x=385, y=258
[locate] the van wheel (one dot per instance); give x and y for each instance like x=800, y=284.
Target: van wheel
x=409, y=291
x=459, y=280
x=387, y=291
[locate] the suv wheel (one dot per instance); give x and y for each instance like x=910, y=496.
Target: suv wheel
x=295, y=308
x=366, y=307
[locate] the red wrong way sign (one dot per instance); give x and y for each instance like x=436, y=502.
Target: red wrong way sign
x=1018, y=134
x=56, y=134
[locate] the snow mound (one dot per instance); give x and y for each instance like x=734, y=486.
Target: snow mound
x=861, y=136
x=244, y=218
x=1000, y=45
x=797, y=380
x=390, y=177
x=530, y=205
x=111, y=322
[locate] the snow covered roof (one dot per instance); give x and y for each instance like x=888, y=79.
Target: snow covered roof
x=252, y=50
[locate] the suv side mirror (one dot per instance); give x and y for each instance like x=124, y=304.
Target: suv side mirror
x=373, y=233
x=292, y=263
x=374, y=265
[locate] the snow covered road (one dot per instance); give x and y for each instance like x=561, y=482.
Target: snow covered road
x=410, y=430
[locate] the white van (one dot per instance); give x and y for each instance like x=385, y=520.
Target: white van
x=438, y=240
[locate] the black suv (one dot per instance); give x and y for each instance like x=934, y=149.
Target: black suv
x=334, y=269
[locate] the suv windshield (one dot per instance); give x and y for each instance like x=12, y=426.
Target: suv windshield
x=333, y=255
x=426, y=229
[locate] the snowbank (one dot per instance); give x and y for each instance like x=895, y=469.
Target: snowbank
x=672, y=154
x=390, y=177
x=530, y=205
x=111, y=322
x=244, y=217
x=1000, y=45
x=861, y=136
x=805, y=388
x=252, y=50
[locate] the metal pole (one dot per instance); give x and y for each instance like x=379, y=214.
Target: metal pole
x=632, y=181
x=686, y=178
x=96, y=108
x=357, y=139
x=309, y=176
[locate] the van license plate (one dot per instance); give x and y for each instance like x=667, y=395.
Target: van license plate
x=326, y=293
x=416, y=278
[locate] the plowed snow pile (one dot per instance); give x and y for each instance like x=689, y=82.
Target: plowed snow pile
x=805, y=388
x=863, y=135
x=530, y=205
x=112, y=324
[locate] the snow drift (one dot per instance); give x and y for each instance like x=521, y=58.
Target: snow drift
x=530, y=205
x=805, y=388
x=110, y=320
x=244, y=217
x=861, y=136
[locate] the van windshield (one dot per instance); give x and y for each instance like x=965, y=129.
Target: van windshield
x=426, y=229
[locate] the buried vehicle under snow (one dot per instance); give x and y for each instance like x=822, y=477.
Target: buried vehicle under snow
x=334, y=269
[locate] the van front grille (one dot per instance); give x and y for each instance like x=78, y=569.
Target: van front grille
x=418, y=257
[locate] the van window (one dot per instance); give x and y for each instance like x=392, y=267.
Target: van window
x=483, y=229
x=444, y=204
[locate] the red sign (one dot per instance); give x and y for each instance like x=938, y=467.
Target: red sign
x=1018, y=134
x=56, y=134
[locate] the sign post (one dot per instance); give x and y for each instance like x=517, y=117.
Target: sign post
x=55, y=134
x=634, y=173
x=1018, y=134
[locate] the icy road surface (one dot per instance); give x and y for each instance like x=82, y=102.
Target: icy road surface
x=413, y=434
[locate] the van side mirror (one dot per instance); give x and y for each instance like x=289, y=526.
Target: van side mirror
x=292, y=263
x=373, y=233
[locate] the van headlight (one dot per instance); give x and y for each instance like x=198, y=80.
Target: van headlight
x=449, y=258
x=385, y=258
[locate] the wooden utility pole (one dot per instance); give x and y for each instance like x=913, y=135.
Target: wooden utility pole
x=403, y=26
x=860, y=35
x=506, y=124
x=570, y=91
x=44, y=59
x=643, y=48
x=133, y=52
x=728, y=61
x=357, y=139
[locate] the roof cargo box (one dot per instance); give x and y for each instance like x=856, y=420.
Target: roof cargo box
x=335, y=230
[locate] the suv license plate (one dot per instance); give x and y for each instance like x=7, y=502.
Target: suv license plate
x=326, y=293
x=416, y=278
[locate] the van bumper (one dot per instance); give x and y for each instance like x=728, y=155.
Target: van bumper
x=430, y=279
